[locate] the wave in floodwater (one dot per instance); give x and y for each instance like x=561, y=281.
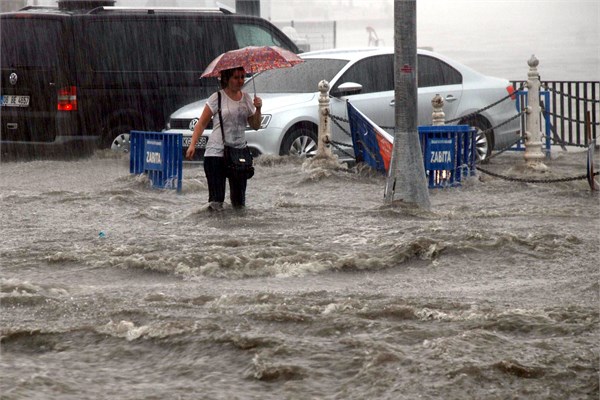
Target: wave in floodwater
x=321, y=344
x=224, y=256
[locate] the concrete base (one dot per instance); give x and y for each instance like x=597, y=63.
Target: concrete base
x=537, y=166
x=324, y=162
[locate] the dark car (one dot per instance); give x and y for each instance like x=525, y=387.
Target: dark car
x=83, y=73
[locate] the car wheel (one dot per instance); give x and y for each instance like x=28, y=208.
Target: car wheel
x=300, y=142
x=121, y=144
x=118, y=139
x=484, y=139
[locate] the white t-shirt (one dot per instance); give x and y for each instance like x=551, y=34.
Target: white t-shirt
x=235, y=118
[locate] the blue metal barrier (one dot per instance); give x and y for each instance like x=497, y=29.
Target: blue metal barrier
x=159, y=156
x=448, y=153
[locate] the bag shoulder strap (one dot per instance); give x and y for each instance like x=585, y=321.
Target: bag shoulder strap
x=221, y=118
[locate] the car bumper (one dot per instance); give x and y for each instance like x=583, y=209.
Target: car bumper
x=258, y=141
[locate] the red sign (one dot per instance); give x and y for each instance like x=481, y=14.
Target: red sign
x=407, y=69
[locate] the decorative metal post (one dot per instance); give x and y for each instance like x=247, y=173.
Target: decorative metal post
x=533, y=131
x=323, y=150
x=438, y=117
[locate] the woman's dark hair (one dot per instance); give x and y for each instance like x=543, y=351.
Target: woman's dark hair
x=228, y=73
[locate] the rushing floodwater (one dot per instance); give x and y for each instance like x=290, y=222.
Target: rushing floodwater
x=317, y=291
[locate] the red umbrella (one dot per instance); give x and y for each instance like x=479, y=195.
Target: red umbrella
x=253, y=59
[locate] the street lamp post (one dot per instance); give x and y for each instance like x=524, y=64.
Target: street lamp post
x=406, y=180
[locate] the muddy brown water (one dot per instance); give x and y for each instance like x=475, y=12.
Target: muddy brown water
x=317, y=291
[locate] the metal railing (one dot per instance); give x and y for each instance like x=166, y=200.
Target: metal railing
x=569, y=102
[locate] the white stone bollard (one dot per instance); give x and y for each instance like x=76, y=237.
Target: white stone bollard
x=533, y=131
x=324, y=159
x=323, y=150
x=438, y=117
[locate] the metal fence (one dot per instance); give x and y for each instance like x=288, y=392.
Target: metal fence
x=569, y=103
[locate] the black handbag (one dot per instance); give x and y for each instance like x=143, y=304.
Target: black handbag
x=238, y=161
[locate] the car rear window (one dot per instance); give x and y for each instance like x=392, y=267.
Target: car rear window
x=30, y=42
x=301, y=78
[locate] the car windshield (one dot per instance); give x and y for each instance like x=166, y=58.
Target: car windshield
x=301, y=78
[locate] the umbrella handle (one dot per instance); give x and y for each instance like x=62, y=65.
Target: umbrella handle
x=253, y=84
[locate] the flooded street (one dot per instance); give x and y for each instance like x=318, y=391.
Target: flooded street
x=113, y=290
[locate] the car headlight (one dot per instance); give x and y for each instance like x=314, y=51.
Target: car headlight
x=264, y=121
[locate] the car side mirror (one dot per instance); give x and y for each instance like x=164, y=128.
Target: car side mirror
x=345, y=89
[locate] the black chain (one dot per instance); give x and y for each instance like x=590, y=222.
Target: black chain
x=504, y=123
x=474, y=114
x=338, y=145
x=569, y=119
x=512, y=179
x=555, y=138
x=486, y=160
x=335, y=120
x=545, y=85
x=563, y=143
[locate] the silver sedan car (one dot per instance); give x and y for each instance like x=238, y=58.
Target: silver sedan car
x=365, y=78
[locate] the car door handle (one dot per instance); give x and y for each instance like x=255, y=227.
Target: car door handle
x=393, y=103
x=451, y=98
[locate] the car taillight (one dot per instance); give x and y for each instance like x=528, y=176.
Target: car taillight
x=511, y=91
x=67, y=98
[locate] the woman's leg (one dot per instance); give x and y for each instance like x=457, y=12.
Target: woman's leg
x=214, y=168
x=237, y=191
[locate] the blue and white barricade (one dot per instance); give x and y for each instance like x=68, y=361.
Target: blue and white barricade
x=159, y=156
x=372, y=145
x=448, y=153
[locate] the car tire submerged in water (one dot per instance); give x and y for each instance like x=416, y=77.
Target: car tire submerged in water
x=301, y=142
x=121, y=144
x=484, y=141
x=118, y=138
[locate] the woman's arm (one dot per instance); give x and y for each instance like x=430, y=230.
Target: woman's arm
x=255, y=119
x=198, y=131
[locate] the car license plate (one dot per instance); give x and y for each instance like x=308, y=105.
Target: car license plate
x=12, y=100
x=200, y=144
